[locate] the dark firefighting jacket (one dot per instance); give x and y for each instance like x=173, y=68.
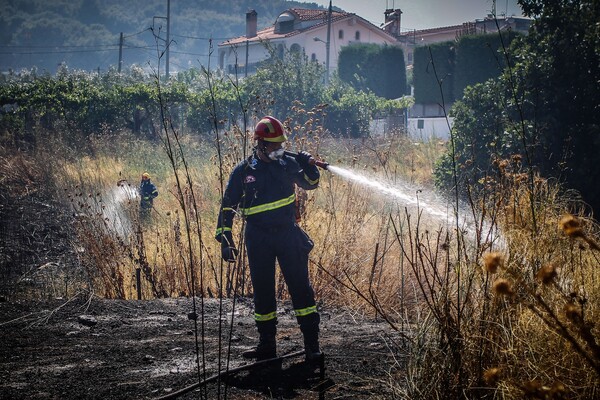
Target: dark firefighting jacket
x=147, y=193
x=264, y=193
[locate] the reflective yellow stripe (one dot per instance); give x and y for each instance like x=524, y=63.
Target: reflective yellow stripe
x=303, y=312
x=265, y=317
x=227, y=209
x=310, y=180
x=268, y=206
x=221, y=230
x=269, y=124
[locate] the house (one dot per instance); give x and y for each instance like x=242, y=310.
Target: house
x=416, y=38
x=428, y=120
x=298, y=29
x=306, y=30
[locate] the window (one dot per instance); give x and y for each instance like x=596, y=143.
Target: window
x=222, y=59
x=286, y=26
x=357, y=35
x=284, y=23
x=313, y=57
x=341, y=34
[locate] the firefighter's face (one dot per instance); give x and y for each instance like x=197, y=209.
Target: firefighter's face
x=274, y=151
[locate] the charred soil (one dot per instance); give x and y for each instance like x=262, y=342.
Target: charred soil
x=111, y=349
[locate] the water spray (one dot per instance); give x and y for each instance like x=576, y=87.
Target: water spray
x=382, y=187
x=115, y=204
x=407, y=195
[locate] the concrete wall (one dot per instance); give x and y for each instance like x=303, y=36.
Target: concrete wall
x=429, y=128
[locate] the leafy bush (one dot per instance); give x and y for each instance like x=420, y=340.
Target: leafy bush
x=76, y=103
x=479, y=137
x=285, y=80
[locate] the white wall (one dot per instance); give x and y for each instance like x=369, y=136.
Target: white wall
x=433, y=128
x=306, y=41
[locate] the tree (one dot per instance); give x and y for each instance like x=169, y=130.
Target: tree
x=548, y=103
x=285, y=80
x=560, y=69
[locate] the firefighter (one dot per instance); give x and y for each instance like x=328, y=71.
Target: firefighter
x=262, y=190
x=147, y=193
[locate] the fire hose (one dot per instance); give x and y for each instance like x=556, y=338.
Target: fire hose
x=228, y=372
x=311, y=161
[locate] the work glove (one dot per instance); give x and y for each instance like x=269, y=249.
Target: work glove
x=228, y=251
x=303, y=159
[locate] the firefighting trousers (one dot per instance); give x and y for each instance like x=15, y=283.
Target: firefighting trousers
x=290, y=246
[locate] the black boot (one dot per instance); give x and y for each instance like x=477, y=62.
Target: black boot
x=312, y=351
x=266, y=348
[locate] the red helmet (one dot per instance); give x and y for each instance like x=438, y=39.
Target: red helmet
x=270, y=129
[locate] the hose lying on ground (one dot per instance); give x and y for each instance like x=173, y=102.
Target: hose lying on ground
x=227, y=372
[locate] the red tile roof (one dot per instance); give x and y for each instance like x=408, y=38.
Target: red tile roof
x=310, y=15
x=432, y=30
x=302, y=13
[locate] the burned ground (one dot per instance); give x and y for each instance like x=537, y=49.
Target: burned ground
x=97, y=348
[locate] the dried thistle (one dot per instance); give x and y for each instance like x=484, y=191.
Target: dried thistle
x=502, y=287
x=532, y=387
x=573, y=312
x=536, y=390
x=571, y=226
x=547, y=273
x=492, y=261
x=492, y=376
x=557, y=390
x=502, y=165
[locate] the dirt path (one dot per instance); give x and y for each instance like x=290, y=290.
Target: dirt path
x=110, y=349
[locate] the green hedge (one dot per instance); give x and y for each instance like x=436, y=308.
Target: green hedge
x=374, y=68
x=456, y=65
x=80, y=104
x=479, y=58
x=433, y=73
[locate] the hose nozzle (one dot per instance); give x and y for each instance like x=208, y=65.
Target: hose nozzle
x=311, y=161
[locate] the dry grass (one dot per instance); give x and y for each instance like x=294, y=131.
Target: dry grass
x=509, y=315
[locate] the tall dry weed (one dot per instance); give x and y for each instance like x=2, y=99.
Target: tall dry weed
x=511, y=318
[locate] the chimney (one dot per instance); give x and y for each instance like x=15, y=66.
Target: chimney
x=251, y=22
x=392, y=22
